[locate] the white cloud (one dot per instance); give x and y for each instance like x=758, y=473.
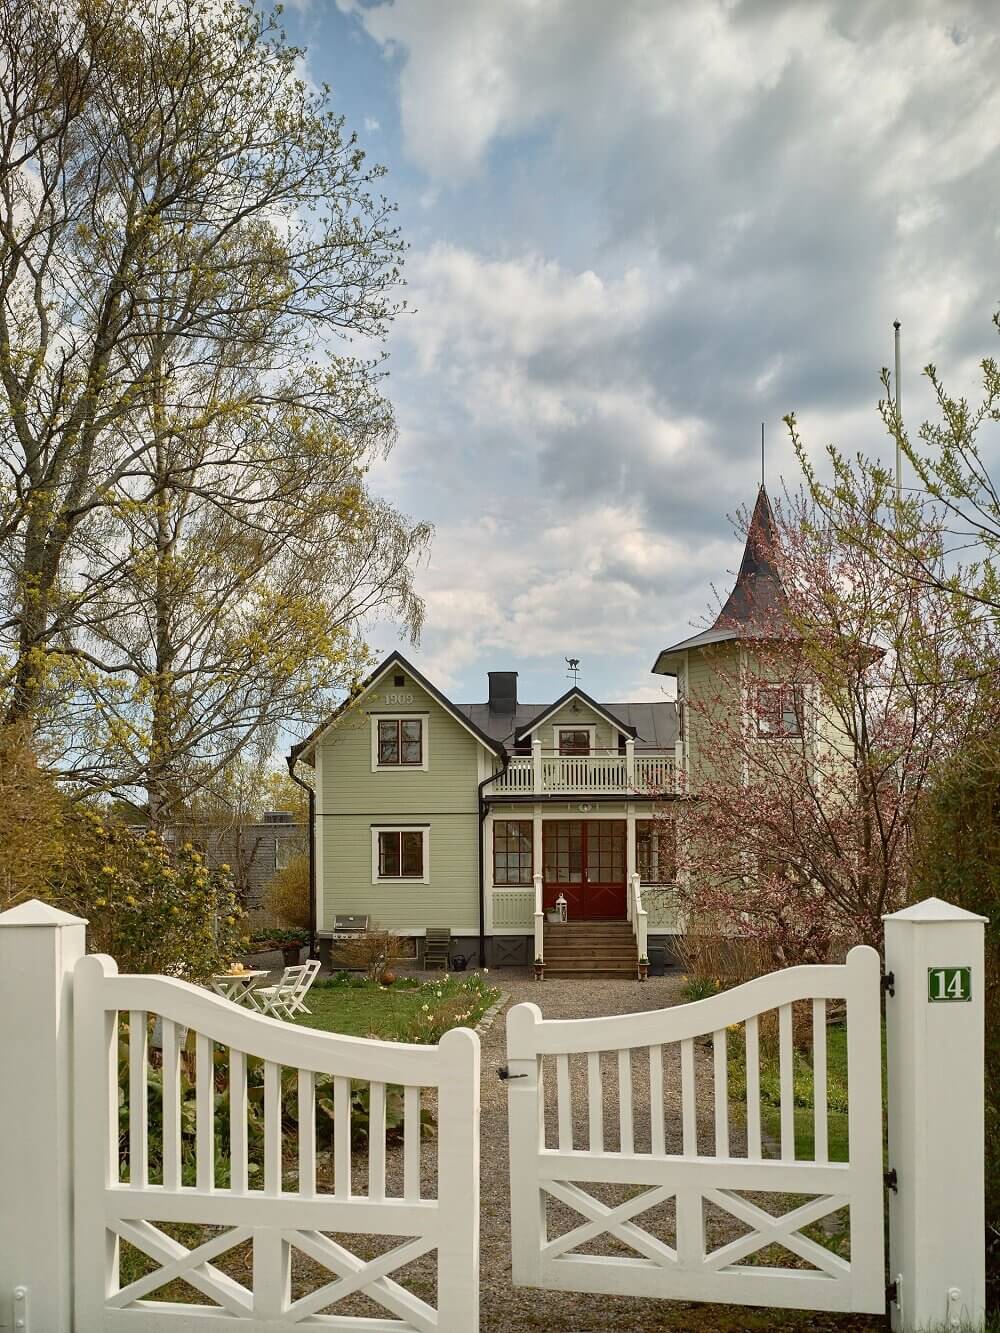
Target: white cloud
x=664, y=224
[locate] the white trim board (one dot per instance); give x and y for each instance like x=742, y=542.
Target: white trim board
x=425, y=831
x=402, y=715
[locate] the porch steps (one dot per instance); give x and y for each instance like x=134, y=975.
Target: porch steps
x=590, y=949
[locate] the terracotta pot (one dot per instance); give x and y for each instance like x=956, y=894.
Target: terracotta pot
x=388, y=978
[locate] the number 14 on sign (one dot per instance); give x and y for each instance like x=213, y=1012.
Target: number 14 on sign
x=949, y=983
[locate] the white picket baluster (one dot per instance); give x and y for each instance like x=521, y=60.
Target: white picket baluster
x=205, y=1113
x=627, y=1138
x=411, y=1143
x=595, y=1103
x=138, y=1100
x=342, y=1138
x=657, y=1136
x=238, y=1152
x=376, y=1141
x=720, y=1093
x=272, y=1128
x=307, y=1133
x=170, y=1111
x=753, y=1088
x=565, y=1105
x=785, y=1076
x=689, y=1108
x=820, y=1114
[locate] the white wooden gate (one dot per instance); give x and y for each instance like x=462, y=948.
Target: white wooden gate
x=693, y=1174
x=285, y=1219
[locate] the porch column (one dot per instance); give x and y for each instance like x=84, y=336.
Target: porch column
x=536, y=840
x=536, y=764
x=630, y=762
x=486, y=855
x=630, y=860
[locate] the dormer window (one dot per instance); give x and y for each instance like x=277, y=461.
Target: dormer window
x=574, y=740
x=779, y=710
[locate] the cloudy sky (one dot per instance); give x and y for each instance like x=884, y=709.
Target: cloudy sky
x=638, y=229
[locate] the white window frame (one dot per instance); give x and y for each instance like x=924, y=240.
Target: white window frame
x=589, y=727
x=401, y=716
x=424, y=830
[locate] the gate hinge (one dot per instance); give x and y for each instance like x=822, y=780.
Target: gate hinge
x=503, y=1074
x=892, y=1293
x=19, y=1310
x=891, y=1180
x=889, y=983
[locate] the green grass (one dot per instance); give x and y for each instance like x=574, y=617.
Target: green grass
x=802, y=1092
x=405, y=1011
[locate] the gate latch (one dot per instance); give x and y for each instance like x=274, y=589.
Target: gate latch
x=891, y=1180
x=503, y=1074
x=889, y=983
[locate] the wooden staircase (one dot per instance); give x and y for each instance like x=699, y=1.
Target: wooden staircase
x=591, y=949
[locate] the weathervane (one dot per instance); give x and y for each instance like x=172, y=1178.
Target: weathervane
x=574, y=669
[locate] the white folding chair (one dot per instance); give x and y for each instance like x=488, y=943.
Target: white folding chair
x=287, y=998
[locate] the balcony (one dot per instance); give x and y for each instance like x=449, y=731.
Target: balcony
x=601, y=774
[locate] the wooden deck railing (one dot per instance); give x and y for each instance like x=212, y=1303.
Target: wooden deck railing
x=607, y=773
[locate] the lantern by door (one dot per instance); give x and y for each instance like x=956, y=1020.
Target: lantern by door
x=561, y=908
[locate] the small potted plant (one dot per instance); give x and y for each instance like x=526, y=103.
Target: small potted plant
x=539, y=970
x=643, y=968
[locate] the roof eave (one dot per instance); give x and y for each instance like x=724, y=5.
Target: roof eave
x=395, y=658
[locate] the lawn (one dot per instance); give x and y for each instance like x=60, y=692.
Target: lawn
x=408, y=1010
x=802, y=1083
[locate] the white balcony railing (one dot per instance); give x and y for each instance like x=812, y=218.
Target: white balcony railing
x=586, y=774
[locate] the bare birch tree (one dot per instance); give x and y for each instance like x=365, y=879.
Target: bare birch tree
x=187, y=235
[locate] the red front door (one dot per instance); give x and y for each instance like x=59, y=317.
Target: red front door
x=584, y=860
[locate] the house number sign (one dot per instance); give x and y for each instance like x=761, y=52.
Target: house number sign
x=397, y=697
x=949, y=983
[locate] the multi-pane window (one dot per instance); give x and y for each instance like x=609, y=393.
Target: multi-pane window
x=401, y=854
x=562, y=841
x=779, y=710
x=605, y=851
x=400, y=741
x=512, y=851
x=656, y=850
x=574, y=740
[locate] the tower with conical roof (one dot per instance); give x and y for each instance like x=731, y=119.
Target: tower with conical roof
x=707, y=665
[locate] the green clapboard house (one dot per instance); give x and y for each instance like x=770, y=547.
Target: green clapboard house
x=479, y=817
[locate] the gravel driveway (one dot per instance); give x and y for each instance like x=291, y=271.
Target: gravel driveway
x=509, y=1309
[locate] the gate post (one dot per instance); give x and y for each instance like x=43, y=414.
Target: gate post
x=934, y=1041
x=39, y=947
x=524, y=1120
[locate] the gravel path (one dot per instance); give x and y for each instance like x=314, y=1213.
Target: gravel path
x=509, y=1309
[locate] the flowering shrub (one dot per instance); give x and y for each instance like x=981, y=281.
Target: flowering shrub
x=151, y=910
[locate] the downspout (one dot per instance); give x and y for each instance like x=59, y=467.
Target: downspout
x=312, y=851
x=483, y=808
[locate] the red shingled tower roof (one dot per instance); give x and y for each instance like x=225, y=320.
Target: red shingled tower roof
x=757, y=604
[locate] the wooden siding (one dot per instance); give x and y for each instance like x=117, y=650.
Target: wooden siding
x=351, y=798
x=712, y=685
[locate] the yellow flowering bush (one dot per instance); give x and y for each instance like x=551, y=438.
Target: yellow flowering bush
x=150, y=908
